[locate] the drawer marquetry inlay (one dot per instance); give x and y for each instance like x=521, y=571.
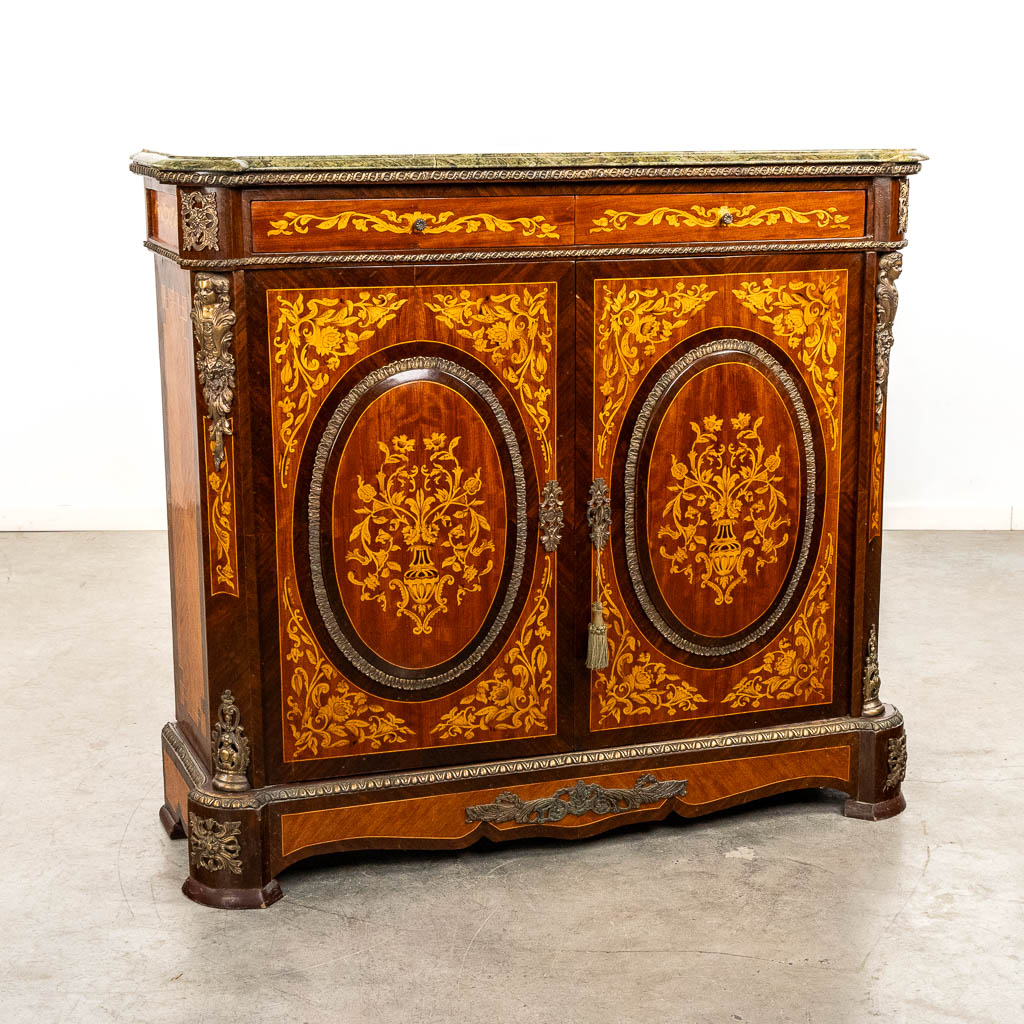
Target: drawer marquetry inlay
x=336, y=225
x=719, y=217
x=445, y=223
x=734, y=217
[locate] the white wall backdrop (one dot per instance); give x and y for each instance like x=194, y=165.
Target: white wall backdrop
x=87, y=85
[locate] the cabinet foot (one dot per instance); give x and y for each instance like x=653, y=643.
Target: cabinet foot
x=171, y=823
x=233, y=899
x=877, y=811
x=883, y=763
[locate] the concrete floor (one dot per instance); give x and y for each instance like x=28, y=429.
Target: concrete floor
x=781, y=911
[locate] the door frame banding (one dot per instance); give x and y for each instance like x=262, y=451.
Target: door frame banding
x=775, y=372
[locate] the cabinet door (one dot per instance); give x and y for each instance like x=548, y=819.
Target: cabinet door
x=723, y=410
x=413, y=442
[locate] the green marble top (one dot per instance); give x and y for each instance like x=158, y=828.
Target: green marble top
x=159, y=164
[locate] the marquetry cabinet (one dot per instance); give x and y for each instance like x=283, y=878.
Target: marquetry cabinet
x=519, y=495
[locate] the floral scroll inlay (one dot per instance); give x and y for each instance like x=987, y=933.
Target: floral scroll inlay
x=221, y=503
x=323, y=709
x=310, y=341
x=721, y=216
x=633, y=323
x=875, y=504
x=407, y=509
x=794, y=667
x=517, y=695
x=391, y=222
x=809, y=315
x=515, y=332
x=634, y=683
x=726, y=485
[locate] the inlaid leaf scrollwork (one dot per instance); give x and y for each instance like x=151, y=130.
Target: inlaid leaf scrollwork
x=721, y=216
x=514, y=331
x=324, y=711
x=310, y=340
x=633, y=323
x=875, y=504
x=734, y=484
x=809, y=316
x=794, y=667
x=408, y=509
x=391, y=222
x=222, y=527
x=635, y=684
x=518, y=694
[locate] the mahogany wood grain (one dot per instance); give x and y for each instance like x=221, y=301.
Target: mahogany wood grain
x=162, y=215
x=184, y=523
x=174, y=813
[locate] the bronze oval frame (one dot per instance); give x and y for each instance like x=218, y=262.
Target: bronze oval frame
x=324, y=448
x=668, y=378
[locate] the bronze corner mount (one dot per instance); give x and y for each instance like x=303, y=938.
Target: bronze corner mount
x=215, y=845
x=213, y=321
x=896, y=758
x=230, y=748
x=890, y=266
x=200, y=225
x=872, y=707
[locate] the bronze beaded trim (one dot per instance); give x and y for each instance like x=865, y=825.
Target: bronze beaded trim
x=431, y=175
x=591, y=759
x=479, y=255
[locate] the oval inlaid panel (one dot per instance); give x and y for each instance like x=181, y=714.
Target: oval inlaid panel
x=417, y=522
x=719, y=497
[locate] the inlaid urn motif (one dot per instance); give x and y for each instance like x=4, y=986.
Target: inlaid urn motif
x=421, y=502
x=727, y=481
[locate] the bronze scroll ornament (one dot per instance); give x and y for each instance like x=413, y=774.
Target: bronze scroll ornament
x=583, y=798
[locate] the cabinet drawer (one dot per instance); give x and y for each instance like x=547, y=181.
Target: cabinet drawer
x=718, y=216
x=321, y=225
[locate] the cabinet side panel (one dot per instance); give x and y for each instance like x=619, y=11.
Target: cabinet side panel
x=183, y=504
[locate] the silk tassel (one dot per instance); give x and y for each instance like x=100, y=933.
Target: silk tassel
x=597, y=638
